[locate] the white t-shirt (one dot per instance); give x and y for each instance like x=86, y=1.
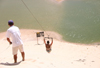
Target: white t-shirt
x=14, y=33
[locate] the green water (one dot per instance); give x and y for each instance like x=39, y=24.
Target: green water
x=78, y=21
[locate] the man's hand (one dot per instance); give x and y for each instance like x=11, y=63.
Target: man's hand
x=10, y=43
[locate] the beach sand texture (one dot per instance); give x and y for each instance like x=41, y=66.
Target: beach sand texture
x=63, y=54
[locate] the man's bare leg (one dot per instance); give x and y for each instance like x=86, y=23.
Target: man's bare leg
x=15, y=58
x=23, y=56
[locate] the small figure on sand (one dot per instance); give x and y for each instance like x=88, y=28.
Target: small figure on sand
x=17, y=44
x=48, y=45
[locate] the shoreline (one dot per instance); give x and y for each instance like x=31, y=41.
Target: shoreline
x=52, y=34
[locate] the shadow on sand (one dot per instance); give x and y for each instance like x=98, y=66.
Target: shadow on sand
x=10, y=64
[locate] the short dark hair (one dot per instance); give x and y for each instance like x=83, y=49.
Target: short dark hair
x=48, y=42
x=10, y=23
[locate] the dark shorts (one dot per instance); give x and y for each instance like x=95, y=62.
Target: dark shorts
x=48, y=50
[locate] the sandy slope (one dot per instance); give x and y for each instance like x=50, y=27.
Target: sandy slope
x=63, y=54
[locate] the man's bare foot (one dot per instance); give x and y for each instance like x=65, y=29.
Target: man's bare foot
x=15, y=62
x=23, y=59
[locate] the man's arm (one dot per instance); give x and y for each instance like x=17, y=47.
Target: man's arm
x=9, y=41
x=44, y=41
x=51, y=42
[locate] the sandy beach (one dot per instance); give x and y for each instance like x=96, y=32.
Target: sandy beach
x=63, y=54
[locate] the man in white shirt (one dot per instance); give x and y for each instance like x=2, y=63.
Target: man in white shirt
x=17, y=44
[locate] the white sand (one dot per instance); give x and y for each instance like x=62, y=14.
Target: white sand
x=63, y=54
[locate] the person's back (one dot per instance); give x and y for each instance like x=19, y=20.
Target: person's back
x=14, y=32
x=48, y=46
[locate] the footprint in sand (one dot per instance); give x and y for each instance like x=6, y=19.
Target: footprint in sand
x=34, y=61
x=41, y=63
x=30, y=60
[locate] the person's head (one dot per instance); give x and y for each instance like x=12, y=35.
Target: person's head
x=10, y=23
x=47, y=42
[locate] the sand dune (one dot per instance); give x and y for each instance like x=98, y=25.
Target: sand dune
x=63, y=54
x=57, y=1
